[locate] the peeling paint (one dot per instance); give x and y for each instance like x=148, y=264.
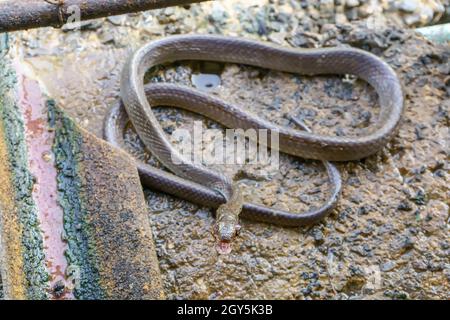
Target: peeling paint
x=39, y=139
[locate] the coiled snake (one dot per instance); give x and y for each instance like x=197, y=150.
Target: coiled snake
x=198, y=184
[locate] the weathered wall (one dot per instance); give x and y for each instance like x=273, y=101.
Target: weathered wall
x=107, y=250
x=22, y=257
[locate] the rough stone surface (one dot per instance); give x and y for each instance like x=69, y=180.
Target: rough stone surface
x=388, y=238
x=106, y=227
x=115, y=224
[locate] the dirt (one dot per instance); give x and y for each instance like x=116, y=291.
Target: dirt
x=388, y=237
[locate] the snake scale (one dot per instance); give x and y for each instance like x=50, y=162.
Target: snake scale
x=199, y=184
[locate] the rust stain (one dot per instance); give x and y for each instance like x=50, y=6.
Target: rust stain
x=39, y=139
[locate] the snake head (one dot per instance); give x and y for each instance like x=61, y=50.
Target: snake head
x=227, y=217
x=227, y=230
x=226, y=233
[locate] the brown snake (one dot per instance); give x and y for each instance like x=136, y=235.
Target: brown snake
x=204, y=186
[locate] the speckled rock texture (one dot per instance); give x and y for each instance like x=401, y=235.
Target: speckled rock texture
x=388, y=237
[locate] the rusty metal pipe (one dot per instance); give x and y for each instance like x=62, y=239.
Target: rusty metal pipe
x=27, y=14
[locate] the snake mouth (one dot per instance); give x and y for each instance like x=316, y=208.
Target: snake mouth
x=223, y=247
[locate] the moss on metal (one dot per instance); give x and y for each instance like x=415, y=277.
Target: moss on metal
x=80, y=255
x=32, y=244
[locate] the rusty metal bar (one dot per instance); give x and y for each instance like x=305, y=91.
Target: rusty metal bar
x=27, y=14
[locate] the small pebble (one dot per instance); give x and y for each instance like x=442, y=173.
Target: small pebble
x=388, y=266
x=408, y=5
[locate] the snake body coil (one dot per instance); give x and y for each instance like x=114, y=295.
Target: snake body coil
x=204, y=186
